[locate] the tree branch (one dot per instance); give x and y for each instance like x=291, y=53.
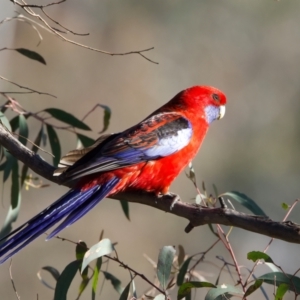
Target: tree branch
x=195, y=214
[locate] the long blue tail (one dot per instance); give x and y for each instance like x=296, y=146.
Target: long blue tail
x=71, y=206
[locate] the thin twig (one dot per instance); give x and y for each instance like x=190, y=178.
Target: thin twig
x=38, y=6
x=231, y=252
x=12, y=280
x=28, y=9
x=136, y=273
x=27, y=88
x=32, y=143
x=57, y=23
x=203, y=255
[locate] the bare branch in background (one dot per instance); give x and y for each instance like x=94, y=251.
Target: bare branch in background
x=28, y=8
x=25, y=87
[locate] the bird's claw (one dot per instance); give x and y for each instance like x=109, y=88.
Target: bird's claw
x=176, y=198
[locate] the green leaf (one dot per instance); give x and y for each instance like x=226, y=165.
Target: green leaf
x=277, y=278
x=84, y=283
x=54, y=144
x=104, y=247
x=23, y=130
x=10, y=161
x=81, y=249
x=256, y=255
x=181, y=255
x=164, y=265
x=15, y=188
x=134, y=293
x=125, y=208
x=2, y=166
x=23, y=174
x=125, y=293
x=223, y=291
x=66, y=117
x=114, y=281
x=106, y=117
x=11, y=217
x=281, y=290
x=245, y=201
x=252, y=288
x=38, y=139
x=54, y=272
x=182, y=271
x=14, y=123
x=96, y=277
x=5, y=121
x=85, y=140
x=65, y=279
x=185, y=289
x=285, y=206
x=31, y=54
x=188, y=296
x=34, y=148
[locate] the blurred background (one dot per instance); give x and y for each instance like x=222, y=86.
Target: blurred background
x=248, y=49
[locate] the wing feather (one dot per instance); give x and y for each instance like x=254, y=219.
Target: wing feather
x=157, y=136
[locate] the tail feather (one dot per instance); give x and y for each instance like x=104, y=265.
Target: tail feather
x=85, y=207
x=73, y=205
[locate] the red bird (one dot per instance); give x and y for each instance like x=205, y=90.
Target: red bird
x=147, y=156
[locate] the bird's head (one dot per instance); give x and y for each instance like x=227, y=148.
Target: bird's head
x=206, y=99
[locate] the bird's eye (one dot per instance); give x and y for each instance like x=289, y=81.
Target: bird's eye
x=216, y=97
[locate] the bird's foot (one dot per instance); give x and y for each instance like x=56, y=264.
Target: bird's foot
x=176, y=198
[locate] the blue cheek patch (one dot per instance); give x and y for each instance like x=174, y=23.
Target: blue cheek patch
x=212, y=113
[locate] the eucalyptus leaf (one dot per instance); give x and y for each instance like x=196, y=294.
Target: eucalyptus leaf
x=23, y=130
x=185, y=289
x=182, y=271
x=66, y=117
x=116, y=283
x=104, y=247
x=54, y=144
x=245, y=201
x=65, y=279
x=222, y=291
x=96, y=277
x=164, y=265
x=31, y=54
x=106, y=117
x=278, y=278
x=125, y=208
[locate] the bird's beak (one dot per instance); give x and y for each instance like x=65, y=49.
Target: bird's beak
x=222, y=112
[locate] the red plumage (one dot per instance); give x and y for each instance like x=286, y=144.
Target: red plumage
x=157, y=175
x=147, y=156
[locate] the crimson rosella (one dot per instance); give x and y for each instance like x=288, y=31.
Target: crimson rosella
x=147, y=157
